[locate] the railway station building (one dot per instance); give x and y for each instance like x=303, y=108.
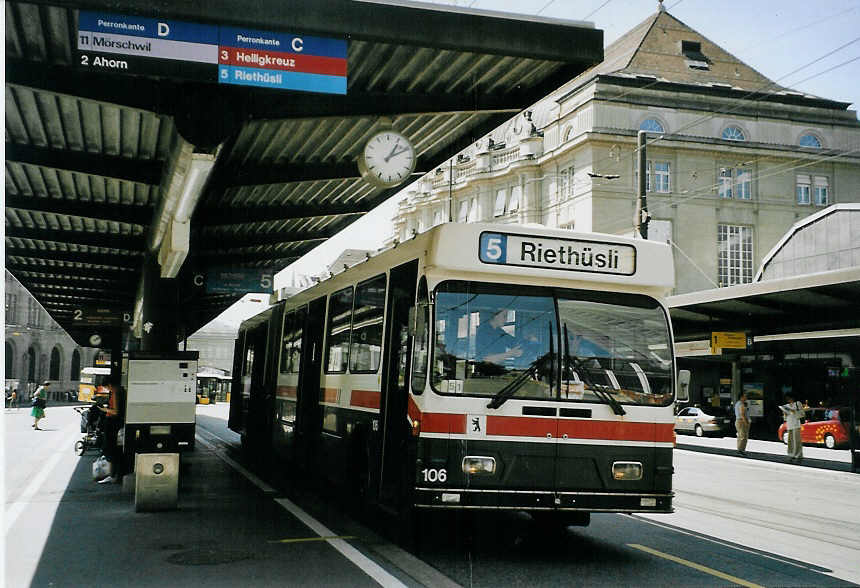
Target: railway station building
x=733, y=158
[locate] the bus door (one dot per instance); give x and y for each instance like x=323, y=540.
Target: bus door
x=308, y=419
x=395, y=383
x=253, y=385
x=238, y=405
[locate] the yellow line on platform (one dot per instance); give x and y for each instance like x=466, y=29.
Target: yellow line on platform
x=695, y=566
x=307, y=539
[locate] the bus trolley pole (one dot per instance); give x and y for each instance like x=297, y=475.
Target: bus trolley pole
x=640, y=216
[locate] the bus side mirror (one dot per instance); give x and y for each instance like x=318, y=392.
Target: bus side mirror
x=418, y=317
x=683, y=390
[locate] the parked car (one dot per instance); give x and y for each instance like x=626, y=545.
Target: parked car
x=703, y=421
x=821, y=427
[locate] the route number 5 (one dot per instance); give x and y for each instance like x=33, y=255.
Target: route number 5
x=493, y=249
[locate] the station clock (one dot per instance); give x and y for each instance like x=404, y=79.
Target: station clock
x=387, y=159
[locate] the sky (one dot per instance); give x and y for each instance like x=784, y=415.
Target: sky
x=810, y=46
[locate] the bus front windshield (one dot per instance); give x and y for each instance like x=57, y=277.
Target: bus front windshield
x=538, y=343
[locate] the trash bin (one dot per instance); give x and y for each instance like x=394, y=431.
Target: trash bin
x=156, y=481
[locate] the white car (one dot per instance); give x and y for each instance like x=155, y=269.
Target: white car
x=703, y=421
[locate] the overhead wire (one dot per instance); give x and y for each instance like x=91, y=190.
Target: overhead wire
x=593, y=12
x=759, y=93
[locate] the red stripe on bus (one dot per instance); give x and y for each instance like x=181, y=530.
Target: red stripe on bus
x=412, y=410
x=365, y=398
x=615, y=430
x=520, y=426
x=286, y=392
x=440, y=422
x=579, y=429
x=331, y=395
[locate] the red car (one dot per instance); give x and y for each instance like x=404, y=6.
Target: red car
x=821, y=427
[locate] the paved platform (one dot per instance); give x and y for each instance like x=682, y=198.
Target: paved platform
x=229, y=529
x=773, y=451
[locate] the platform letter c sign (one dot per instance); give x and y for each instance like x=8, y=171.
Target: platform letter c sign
x=493, y=248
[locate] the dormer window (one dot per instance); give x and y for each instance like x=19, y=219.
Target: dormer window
x=810, y=140
x=733, y=133
x=692, y=50
x=652, y=125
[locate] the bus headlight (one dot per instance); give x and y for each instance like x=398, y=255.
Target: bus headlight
x=478, y=465
x=627, y=470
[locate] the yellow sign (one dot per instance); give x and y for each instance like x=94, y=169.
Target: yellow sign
x=728, y=340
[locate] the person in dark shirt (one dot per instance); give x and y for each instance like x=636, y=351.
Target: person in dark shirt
x=492, y=343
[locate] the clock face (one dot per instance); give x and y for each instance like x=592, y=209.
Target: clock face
x=388, y=159
x=95, y=340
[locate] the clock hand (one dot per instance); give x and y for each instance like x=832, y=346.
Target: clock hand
x=395, y=152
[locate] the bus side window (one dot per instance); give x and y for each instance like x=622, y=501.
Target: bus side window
x=366, y=348
x=285, y=342
x=339, y=327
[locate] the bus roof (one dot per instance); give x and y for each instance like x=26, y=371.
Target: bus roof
x=516, y=254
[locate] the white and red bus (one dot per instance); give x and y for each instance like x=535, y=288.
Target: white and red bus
x=474, y=366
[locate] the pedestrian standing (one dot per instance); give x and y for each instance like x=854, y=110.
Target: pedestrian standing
x=40, y=401
x=742, y=423
x=12, y=399
x=793, y=412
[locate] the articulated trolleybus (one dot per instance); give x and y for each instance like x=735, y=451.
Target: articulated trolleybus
x=474, y=366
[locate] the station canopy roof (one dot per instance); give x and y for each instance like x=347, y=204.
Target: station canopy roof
x=96, y=153
x=822, y=302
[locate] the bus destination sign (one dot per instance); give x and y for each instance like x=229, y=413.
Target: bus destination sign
x=211, y=53
x=565, y=254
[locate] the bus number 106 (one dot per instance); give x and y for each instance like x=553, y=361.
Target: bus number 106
x=434, y=475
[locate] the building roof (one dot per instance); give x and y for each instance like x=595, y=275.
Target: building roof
x=653, y=52
x=826, y=240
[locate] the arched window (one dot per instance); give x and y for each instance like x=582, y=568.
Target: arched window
x=10, y=361
x=652, y=125
x=810, y=140
x=54, y=371
x=75, y=373
x=734, y=133
x=31, y=365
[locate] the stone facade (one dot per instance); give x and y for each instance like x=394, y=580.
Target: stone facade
x=215, y=343
x=734, y=160
x=37, y=348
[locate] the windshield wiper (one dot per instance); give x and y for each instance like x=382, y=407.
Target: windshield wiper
x=598, y=389
x=511, y=387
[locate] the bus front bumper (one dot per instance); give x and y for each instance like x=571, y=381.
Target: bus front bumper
x=470, y=498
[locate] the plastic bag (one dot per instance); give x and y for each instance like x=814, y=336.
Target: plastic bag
x=102, y=468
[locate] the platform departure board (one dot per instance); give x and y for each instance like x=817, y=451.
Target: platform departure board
x=218, y=54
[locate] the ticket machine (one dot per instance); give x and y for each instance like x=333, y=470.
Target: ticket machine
x=160, y=393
